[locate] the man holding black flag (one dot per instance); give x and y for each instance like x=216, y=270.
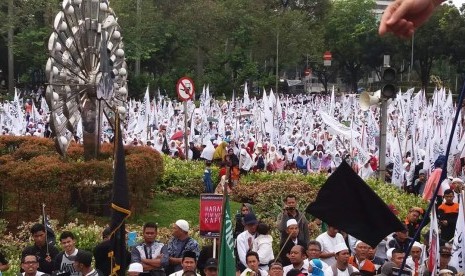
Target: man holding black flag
x=44, y=252
x=290, y=212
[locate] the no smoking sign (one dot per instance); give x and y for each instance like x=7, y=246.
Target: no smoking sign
x=185, y=88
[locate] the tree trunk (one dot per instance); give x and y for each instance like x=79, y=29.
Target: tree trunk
x=11, y=67
x=137, y=60
x=200, y=63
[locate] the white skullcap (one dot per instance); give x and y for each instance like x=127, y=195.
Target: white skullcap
x=291, y=222
x=135, y=267
x=445, y=271
x=417, y=244
x=358, y=242
x=339, y=247
x=184, y=225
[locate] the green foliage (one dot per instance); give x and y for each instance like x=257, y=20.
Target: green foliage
x=184, y=178
x=87, y=235
x=267, y=191
x=165, y=209
x=350, y=26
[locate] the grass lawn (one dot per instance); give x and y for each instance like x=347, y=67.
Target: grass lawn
x=166, y=209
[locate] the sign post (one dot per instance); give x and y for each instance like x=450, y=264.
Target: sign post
x=210, y=215
x=327, y=57
x=185, y=89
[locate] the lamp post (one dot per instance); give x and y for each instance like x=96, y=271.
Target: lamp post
x=277, y=61
x=411, y=58
x=284, y=3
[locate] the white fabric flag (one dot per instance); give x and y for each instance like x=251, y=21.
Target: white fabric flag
x=397, y=170
x=143, y=119
x=458, y=247
x=246, y=95
x=332, y=103
x=433, y=261
x=337, y=128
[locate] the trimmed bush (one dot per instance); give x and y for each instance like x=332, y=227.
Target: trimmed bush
x=184, y=177
x=267, y=192
x=33, y=173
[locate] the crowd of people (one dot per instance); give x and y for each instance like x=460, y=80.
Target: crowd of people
x=329, y=252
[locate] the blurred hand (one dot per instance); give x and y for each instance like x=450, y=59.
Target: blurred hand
x=403, y=17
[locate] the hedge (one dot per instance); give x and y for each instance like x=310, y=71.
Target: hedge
x=32, y=173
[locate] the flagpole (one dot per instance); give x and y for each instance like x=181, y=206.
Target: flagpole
x=46, y=238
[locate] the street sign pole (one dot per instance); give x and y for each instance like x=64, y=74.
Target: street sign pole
x=186, y=149
x=185, y=90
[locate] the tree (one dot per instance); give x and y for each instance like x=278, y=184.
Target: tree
x=430, y=45
x=350, y=25
x=25, y=24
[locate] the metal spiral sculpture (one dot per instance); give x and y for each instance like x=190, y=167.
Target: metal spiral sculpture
x=86, y=73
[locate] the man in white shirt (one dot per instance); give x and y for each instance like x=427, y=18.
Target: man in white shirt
x=188, y=263
x=328, y=241
x=253, y=265
x=342, y=266
x=313, y=261
x=297, y=256
x=30, y=264
x=246, y=238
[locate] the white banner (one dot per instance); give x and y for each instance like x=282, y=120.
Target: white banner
x=458, y=248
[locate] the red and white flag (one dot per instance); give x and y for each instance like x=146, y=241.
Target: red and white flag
x=433, y=261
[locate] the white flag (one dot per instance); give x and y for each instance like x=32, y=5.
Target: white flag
x=458, y=247
x=143, y=119
x=433, y=261
x=397, y=170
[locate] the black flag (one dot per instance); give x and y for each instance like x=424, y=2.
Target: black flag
x=346, y=202
x=165, y=149
x=120, y=207
x=51, y=238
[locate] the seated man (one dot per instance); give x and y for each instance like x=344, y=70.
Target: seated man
x=359, y=259
x=275, y=269
x=211, y=267
x=400, y=240
x=297, y=256
x=313, y=261
x=342, y=266
x=83, y=264
x=4, y=265
x=414, y=260
x=30, y=264
x=377, y=261
x=253, y=265
x=395, y=262
x=445, y=255
x=188, y=264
